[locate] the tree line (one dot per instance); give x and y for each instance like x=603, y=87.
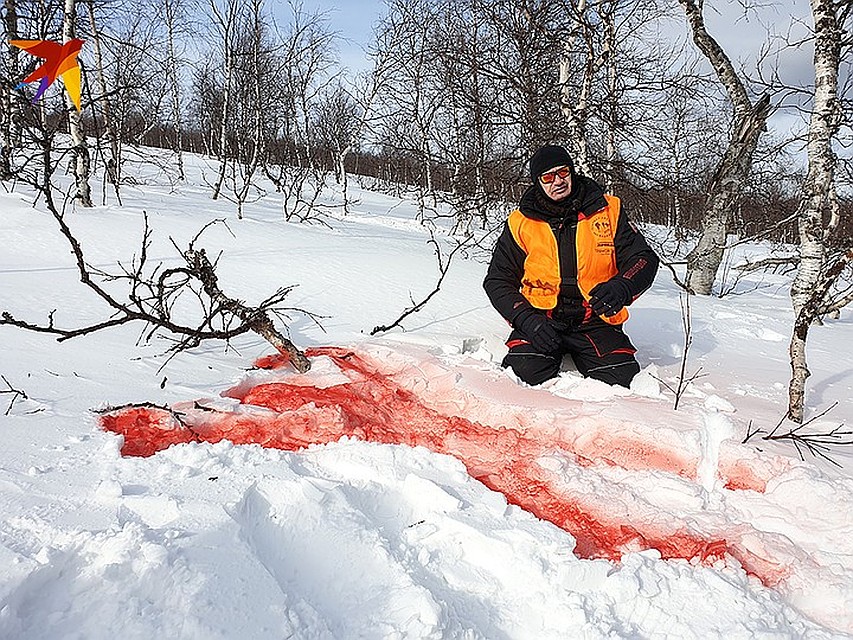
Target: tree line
x=459, y=94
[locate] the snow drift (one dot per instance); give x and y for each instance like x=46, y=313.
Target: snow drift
x=360, y=539
x=580, y=471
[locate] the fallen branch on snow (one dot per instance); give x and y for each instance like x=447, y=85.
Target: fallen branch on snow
x=818, y=444
x=16, y=393
x=152, y=296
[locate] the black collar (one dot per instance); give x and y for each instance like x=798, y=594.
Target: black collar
x=586, y=198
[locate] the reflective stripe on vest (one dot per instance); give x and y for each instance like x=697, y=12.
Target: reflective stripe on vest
x=596, y=256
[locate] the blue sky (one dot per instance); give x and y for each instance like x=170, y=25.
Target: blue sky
x=353, y=20
x=740, y=33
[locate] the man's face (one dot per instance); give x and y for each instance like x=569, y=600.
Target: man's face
x=557, y=182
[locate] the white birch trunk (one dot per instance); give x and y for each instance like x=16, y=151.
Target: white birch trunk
x=5, y=134
x=575, y=110
x=342, y=175
x=223, y=132
x=257, y=141
x=427, y=165
x=80, y=150
x=731, y=174
x=9, y=127
x=612, y=106
x=114, y=161
x=226, y=25
x=818, y=198
x=174, y=86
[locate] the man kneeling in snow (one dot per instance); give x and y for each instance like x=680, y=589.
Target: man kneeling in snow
x=563, y=270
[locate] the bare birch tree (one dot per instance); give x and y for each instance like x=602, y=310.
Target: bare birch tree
x=611, y=111
x=412, y=98
x=468, y=133
x=174, y=15
x=748, y=122
x=9, y=120
x=472, y=95
x=576, y=103
x=36, y=126
x=606, y=69
x=137, y=87
x=234, y=95
x=352, y=113
x=819, y=213
x=225, y=22
x=341, y=118
x=255, y=76
x=305, y=70
x=81, y=163
x=104, y=101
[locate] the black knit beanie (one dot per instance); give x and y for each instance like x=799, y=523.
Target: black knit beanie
x=548, y=157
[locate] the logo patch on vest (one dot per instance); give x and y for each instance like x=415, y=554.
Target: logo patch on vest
x=603, y=234
x=601, y=227
x=545, y=287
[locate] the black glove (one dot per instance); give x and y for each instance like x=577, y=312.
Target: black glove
x=539, y=330
x=608, y=298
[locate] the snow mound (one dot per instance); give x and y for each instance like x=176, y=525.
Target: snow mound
x=620, y=485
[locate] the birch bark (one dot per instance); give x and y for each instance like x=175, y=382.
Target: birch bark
x=114, y=161
x=731, y=174
x=608, y=14
x=819, y=200
x=81, y=161
x=9, y=127
x=575, y=108
x=226, y=22
x=171, y=9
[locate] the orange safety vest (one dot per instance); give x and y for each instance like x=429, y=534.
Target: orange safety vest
x=596, y=255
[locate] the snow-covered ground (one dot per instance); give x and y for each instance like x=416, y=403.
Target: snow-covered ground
x=680, y=530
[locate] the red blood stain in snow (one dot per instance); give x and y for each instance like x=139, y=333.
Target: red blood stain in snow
x=146, y=430
x=630, y=452
x=374, y=408
x=739, y=476
x=623, y=450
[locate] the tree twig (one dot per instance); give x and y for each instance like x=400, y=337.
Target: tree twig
x=818, y=444
x=684, y=381
x=443, y=267
x=16, y=393
x=151, y=299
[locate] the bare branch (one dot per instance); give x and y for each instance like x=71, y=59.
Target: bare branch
x=819, y=444
x=789, y=262
x=16, y=393
x=684, y=381
x=443, y=267
x=151, y=299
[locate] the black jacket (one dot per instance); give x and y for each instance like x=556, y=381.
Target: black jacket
x=634, y=257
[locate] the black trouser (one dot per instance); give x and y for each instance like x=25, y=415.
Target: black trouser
x=599, y=350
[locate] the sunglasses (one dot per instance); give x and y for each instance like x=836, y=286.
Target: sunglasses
x=548, y=178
